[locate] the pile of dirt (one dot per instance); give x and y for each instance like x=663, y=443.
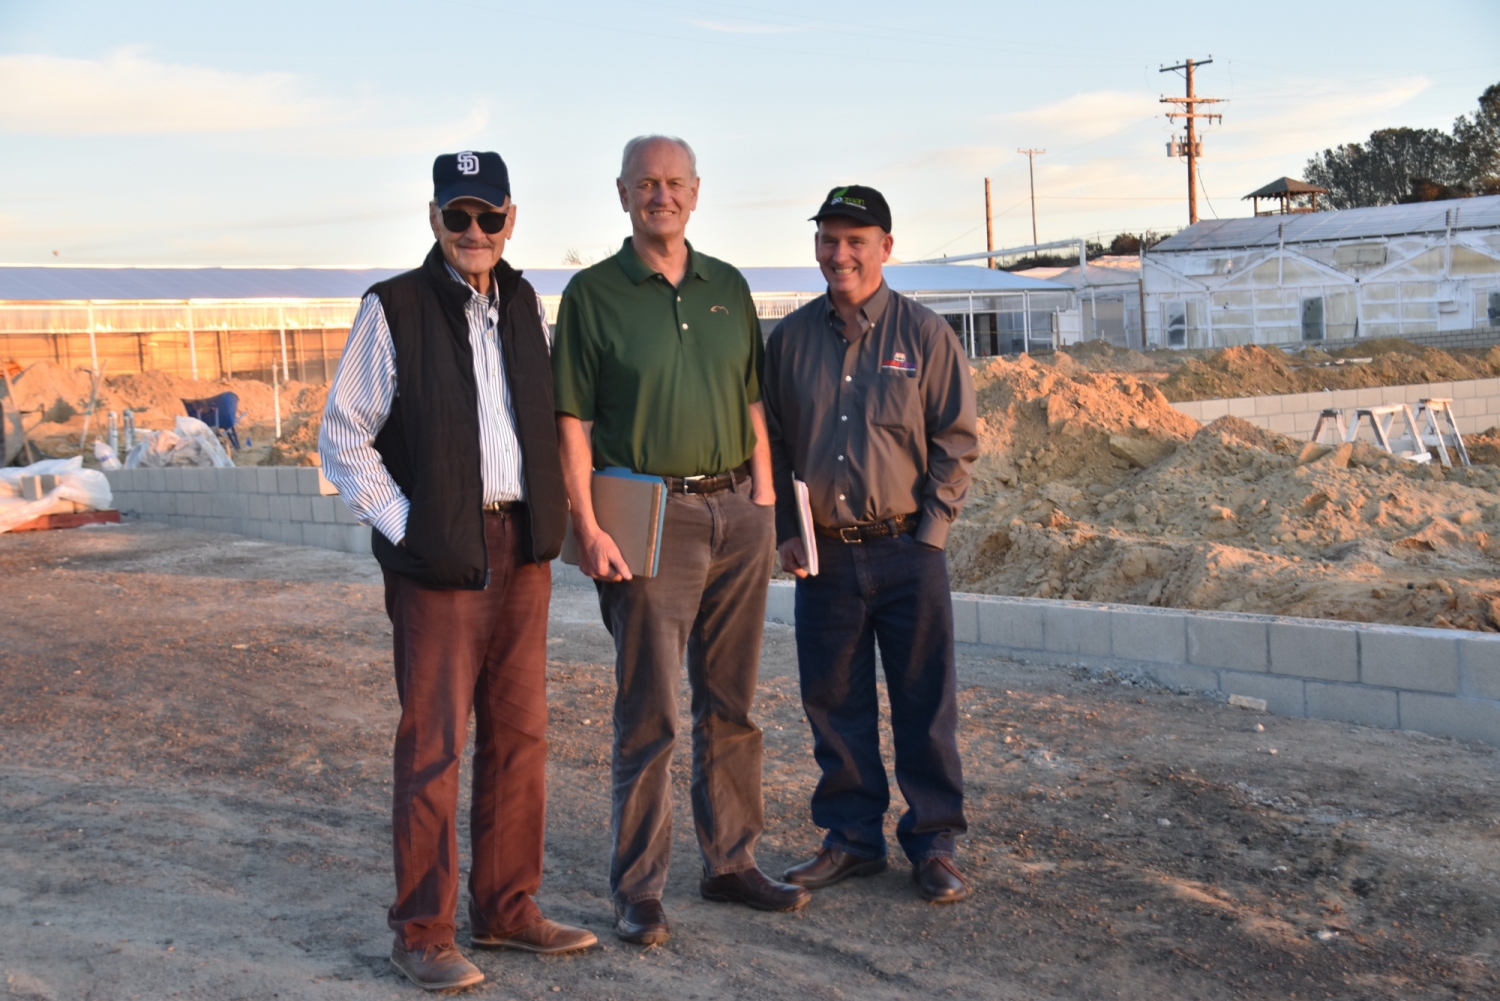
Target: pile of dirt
x=1102, y=356
x=1091, y=486
x=1251, y=370
x=155, y=398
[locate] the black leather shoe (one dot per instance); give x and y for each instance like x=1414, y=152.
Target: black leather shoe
x=754, y=888
x=830, y=866
x=939, y=880
x=643, y=922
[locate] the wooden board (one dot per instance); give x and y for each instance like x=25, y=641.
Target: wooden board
x=46, y=521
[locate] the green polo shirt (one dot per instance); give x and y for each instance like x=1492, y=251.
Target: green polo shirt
x=666, y=375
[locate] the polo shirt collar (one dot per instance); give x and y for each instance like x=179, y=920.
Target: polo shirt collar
x=870, y=312
x=638, y=270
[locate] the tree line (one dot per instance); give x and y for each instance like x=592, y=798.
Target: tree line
x=1402, y=165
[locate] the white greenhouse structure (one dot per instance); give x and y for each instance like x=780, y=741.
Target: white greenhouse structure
x=1391, y=271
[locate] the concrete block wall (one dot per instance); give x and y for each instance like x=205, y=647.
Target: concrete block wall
x=1476, y=406
x=1439, y=681
x=291, y=504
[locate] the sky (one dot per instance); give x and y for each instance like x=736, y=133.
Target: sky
x=302, y=133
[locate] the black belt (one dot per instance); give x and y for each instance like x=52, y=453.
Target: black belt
x=504, y=507
x=711, y=484
x=889, y=528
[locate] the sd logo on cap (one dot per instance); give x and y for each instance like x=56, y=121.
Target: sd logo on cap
x=470, y=175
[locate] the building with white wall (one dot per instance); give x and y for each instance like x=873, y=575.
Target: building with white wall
x=1391, y=271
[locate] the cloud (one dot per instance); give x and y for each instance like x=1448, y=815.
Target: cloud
x=1088, y=116
x=741, y=28
x=126, y=93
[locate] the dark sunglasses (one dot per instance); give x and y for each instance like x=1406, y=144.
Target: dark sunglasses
x=457, y=221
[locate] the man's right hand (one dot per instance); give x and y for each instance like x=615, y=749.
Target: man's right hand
x=600, y=558
x=793, y=556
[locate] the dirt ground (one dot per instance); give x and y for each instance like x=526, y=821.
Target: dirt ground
x=194, y=757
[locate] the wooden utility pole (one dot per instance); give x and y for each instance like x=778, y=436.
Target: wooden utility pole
x=989, y=223
x=1192, y=145
x=1031, y=155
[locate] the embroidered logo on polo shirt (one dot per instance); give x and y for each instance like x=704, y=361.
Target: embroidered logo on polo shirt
x=898, y=365
x=719, y=309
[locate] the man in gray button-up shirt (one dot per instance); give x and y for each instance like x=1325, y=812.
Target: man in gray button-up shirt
x=870, y=402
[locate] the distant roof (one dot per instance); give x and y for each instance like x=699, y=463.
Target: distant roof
x=1328, y=227
x=1286, y=186
x=63, y=282
x=1116, y=269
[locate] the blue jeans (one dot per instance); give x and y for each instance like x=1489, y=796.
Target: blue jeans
x=893, y=592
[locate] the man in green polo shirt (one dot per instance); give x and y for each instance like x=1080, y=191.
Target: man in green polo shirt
x=657, y=368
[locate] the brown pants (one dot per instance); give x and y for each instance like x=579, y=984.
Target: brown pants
x=458, y=651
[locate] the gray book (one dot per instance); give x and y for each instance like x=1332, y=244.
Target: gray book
x=632, y=508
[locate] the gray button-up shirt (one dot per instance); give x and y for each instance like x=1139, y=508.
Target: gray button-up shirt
x=877, y=427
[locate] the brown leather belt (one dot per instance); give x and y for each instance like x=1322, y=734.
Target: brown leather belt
x=889, y=528
x=711, y=484
x=504, y=507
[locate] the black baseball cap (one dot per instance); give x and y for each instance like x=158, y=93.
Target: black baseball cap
x=470, y=175
x=865, y=206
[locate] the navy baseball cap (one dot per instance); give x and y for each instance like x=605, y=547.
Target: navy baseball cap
x=470, y=175
x=865, y=206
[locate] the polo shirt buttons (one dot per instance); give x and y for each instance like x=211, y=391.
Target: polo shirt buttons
x=684, y=326
x=841, y=496
x=841, y=458
x=843, y=417
x=848, y=378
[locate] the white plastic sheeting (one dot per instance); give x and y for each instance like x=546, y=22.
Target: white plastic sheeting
x=87, y=487
x=190, y=443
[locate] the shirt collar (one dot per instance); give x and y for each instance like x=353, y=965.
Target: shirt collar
x=473, y=292
x=869, y=313
x=638, y=270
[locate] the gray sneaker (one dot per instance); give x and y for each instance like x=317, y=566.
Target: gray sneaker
x=436, y=968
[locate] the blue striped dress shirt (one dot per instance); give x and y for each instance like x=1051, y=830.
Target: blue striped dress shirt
x=360, y=402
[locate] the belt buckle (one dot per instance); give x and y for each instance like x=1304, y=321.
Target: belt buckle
x=850, y=534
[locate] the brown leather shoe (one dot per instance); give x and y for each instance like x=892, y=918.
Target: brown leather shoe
x=754, y=888
x=436, y=968
x=939, y=880
x=643, y=922
x=830, y=866
x=541, y=936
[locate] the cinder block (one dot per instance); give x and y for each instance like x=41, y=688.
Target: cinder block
x=1438, y=389
x=1239, y=644
x=1267, y=405
x=1197, y=679
x=1480, y=656
x=245, y=479
x=310, y=480
x=1341, y=398
x=286, y=479
x=203, y=505
x=1467, y=719
x=311, y=534
x=1468, y=389
x=781, y=597
x=325, y=485
x=1189, y=409
x=1010, y=623
x=265, y=479
x=233, y=505
x=1311, y=649
x=258, y=506
x=301, y=507
x=156, y=480
x=1284, y=696
x=1369, y=397
x=359, y=538
x=1282, y=423
x=1212, y=410
x=965, y=619
x=281, y=507
x=1075, y=629
x=342, y=514
x=1422, y=659
x=1352, y=704
x=325, y=509
x=1243, y=406
x=225, y=481
x=1146, y=634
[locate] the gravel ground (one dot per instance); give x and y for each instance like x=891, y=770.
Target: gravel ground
x=194, y=778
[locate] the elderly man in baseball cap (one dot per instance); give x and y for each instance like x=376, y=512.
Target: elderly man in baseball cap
x=439, y=434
